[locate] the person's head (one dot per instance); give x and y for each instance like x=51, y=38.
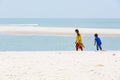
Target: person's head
x=96, y=35
x=76, y=30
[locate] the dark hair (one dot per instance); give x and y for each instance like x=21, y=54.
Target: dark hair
x=96, y=35
x=76, y=30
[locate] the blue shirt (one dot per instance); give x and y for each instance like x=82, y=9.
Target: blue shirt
x=98, y=41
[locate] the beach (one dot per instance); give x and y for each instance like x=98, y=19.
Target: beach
x=60, y=65
x=38, y=39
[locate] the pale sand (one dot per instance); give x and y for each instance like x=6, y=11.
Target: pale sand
x=60, y=65
x=33, y=30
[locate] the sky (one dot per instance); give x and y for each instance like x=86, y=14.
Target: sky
x=59, y=8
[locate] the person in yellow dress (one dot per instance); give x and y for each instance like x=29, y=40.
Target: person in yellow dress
x=78, y=42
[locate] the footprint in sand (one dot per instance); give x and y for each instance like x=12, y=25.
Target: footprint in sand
x=97, y=73
x=117, y=59
x=114, y=54
x=99, y=65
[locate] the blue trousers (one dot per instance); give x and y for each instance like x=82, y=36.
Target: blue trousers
x=98, y=46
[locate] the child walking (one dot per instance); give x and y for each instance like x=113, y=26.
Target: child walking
x=78, y=42
x=97, y=42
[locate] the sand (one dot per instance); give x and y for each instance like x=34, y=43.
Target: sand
x=39, y=30
x=60, y=65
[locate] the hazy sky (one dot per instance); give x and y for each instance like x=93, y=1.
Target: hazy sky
x=59, y=8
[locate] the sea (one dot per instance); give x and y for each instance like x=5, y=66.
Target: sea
x=57, y=43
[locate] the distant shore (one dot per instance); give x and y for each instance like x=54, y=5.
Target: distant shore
x=38, y=30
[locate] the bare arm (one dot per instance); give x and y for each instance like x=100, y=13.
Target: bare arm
x=94, y=43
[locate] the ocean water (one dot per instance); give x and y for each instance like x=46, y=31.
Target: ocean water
x=56, y=43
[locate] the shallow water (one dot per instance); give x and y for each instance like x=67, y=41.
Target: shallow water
x=55, y=43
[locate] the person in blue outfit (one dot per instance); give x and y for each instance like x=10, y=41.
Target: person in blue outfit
x=97, y=42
